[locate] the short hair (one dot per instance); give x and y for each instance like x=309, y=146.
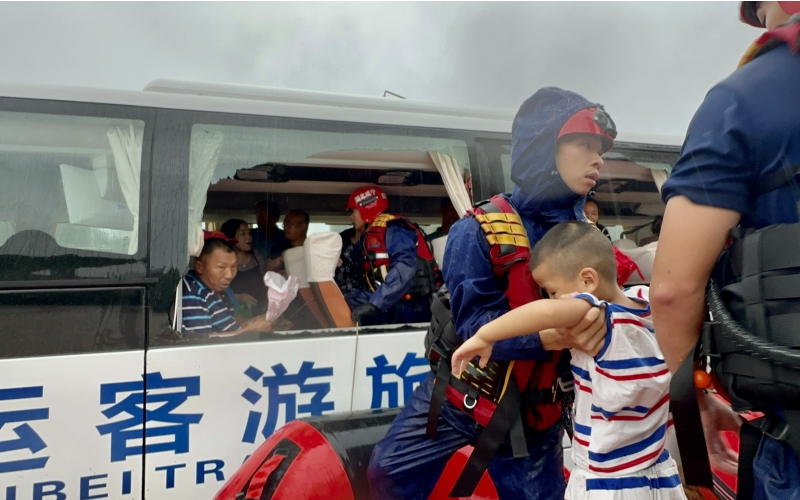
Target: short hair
x=272, y=208
x=299, y=212
x=231, y=227
x=213, y=244
x=571, y=246
x=592, y=200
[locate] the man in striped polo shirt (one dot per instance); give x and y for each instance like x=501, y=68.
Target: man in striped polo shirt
x=207, y=307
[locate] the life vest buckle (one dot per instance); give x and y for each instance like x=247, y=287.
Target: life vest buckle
x=470, y=402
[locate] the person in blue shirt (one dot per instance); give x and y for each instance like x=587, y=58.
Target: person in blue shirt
x=208, y=305
x=558, y=138
x=397, y=292
x=269, y=240
x=747, y=128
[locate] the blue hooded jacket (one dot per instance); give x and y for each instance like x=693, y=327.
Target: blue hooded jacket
x=542, y=199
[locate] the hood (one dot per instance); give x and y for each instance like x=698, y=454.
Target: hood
x=540, y=195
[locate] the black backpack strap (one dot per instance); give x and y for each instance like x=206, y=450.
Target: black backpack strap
x=778, y=179
x=688, y=426
x=440, y=343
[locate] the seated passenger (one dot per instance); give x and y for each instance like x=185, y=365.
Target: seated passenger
x=655, y=228
x=592, y=211
x=449, y=217
x=350, y=272
x=267, y=234
x=295, y=230
x=394, y=251
x=206, y=307
x=248, y=285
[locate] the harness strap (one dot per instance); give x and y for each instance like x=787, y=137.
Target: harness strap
x=749, y=438
x=775, y=180
x=505, y=419
x=438, y=397
x=688, y=427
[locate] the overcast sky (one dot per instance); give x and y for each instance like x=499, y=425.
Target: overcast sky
x=649, y=63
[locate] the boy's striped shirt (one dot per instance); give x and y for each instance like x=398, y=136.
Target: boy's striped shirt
x=622, y=394
x=205, y=312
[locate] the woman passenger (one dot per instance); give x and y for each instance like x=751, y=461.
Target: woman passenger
x=248, y=285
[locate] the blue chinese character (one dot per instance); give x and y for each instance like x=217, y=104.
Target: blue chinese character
x=275, y=398
x=382, y=368
x=27, y=438
x=144, y=405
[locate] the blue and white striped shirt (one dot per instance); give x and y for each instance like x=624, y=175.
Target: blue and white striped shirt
x=204, y=311
x=622, y=394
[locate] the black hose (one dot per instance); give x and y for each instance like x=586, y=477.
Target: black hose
x=750, y=344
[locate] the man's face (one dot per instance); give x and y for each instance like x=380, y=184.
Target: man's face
x=295, y=227
x=449, y=217
x=578, y=161
x=355, y=218
x=771, y=14
x=262, y=217
x=591, y=211
x=217, y=270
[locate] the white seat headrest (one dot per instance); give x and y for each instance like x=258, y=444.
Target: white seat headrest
x=322, y=256
x=643, y=257
x=439, y=245
x=294, y=260
x=624, y=244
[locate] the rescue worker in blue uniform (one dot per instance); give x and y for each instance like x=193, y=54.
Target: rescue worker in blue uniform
x=558, y=138
x=746, y=129
x=398, y=264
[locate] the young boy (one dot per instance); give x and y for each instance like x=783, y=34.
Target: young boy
x=621, y=394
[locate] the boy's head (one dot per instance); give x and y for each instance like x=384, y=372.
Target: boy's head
x=574, y=257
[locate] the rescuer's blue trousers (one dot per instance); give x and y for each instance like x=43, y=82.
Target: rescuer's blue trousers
x=406, y=464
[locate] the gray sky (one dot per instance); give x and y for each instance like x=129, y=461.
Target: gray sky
x=649, y=63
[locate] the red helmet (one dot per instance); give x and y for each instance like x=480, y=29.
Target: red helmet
x=594, y=121
x=369, y=201
x=748, y=12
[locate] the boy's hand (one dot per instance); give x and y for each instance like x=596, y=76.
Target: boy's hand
x=468, y=350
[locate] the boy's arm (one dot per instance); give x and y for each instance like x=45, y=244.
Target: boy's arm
x=534, y=317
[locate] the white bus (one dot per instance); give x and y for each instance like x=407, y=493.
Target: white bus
x=102, y=196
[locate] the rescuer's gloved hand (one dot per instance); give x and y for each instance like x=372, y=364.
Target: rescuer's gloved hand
x=368, y=314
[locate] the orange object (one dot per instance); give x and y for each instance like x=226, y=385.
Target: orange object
x=702, y=380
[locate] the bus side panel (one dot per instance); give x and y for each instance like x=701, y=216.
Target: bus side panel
x=233, y=396
x=227, y=398
x=70, y=425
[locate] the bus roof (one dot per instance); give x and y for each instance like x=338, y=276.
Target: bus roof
x=267, y=101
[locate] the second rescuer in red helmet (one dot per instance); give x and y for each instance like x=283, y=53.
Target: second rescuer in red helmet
x=398, y=264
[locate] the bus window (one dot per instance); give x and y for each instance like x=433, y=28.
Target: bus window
x=70, y=178
x=72, y=248
x=231, y=168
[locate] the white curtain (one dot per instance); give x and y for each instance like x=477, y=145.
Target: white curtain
x=659, y=176
x=126, y=145
x=203, y=159
x=454, y=181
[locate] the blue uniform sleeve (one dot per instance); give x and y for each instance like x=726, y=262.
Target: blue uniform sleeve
x=474, y=297
x=715, y=167
x=401, y=245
